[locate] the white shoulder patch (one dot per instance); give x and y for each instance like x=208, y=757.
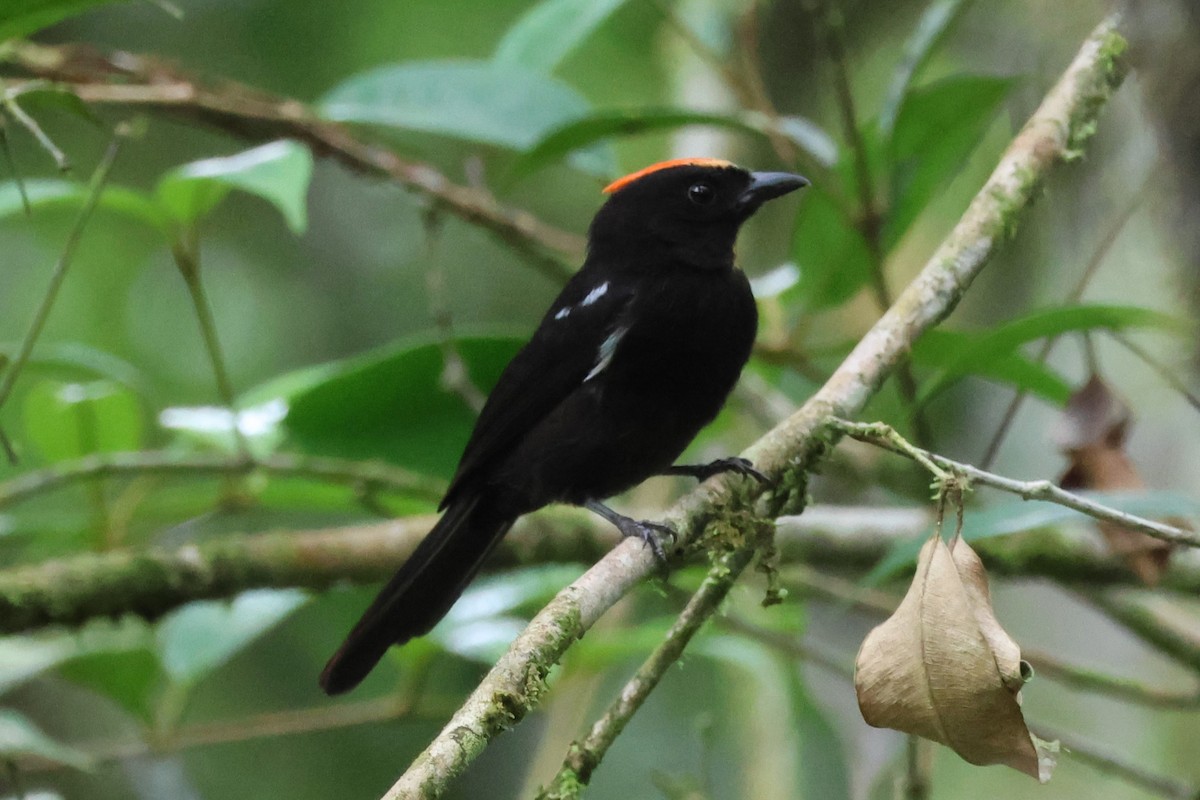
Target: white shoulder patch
x=604, y=355
x=595, y=294
x=563, y=312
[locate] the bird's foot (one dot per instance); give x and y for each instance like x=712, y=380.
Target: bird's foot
x=741, y=466
x=651, y=533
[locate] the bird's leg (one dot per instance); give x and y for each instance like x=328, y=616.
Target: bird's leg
x=741, y=466
x=648, y=532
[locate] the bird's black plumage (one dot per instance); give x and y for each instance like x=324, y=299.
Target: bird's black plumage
x=633, y=358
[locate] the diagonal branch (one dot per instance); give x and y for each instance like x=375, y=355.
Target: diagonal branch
x=132, y=81
x=584, y=756
x=1057, y=130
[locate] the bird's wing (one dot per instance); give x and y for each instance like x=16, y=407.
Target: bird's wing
x=572, y=344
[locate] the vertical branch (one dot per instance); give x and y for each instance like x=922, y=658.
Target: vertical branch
x=95, y=188
x=918, y=769
x=186, y=252
x=1162, y=370
x=584, y=756
x=870, y=217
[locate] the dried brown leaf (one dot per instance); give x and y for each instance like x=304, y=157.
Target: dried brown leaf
x=1092, y=435
x=943, y=668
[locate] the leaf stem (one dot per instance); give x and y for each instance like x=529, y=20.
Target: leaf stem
x=30, y=124
x=95, y=187
x=185, y=250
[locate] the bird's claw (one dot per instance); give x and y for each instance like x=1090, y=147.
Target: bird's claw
x=736, y=464
x=649, y=533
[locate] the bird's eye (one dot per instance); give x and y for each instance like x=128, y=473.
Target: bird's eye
x=701, y=194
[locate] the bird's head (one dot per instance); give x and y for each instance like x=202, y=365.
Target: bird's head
x=686, y=210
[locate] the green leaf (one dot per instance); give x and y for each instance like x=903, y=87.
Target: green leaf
x=935, y=22
x=20, y=737
x=129, y=677
x=1019, y=516
x=24, y=657
x=550, y=30
x=505, y=105
x=69, y=420
x=391, y=405
x=832, y=256
x=602, y=125
x=982, y=352
x=20, y=18
x=938, y=127
x=278, y=172
x=79, y=360
x=52, y=192
x=942, y=349
x=202, y=636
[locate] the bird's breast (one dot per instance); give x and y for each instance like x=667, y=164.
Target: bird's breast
x=688, y=336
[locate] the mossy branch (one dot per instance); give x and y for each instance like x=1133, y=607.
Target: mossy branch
x=150, y=582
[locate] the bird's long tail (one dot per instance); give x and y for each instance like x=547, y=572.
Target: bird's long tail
x=421, y=593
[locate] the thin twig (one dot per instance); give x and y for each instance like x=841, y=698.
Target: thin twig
x=1168, y=377
x=1048, y=666
x=267, y=725
x=885, y=436
x=584, y=756
x=870, y=218
x=30, y=124
x=95, y=186
x=747, y=86
x=455, y=376
x=144, y=82
x=187, y=259
x=793, y=646
x=1097, y=258
x=1060, y=126
x=11, y=162
x=358, y=474
x=1148, y=625
x=1118, y=766
x=918, y=769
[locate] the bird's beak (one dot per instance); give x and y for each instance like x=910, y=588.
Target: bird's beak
x=766, y=186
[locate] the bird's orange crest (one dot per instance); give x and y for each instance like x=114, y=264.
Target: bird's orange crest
x=621, y=183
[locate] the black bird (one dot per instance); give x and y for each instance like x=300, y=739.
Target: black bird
x=634, y=357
